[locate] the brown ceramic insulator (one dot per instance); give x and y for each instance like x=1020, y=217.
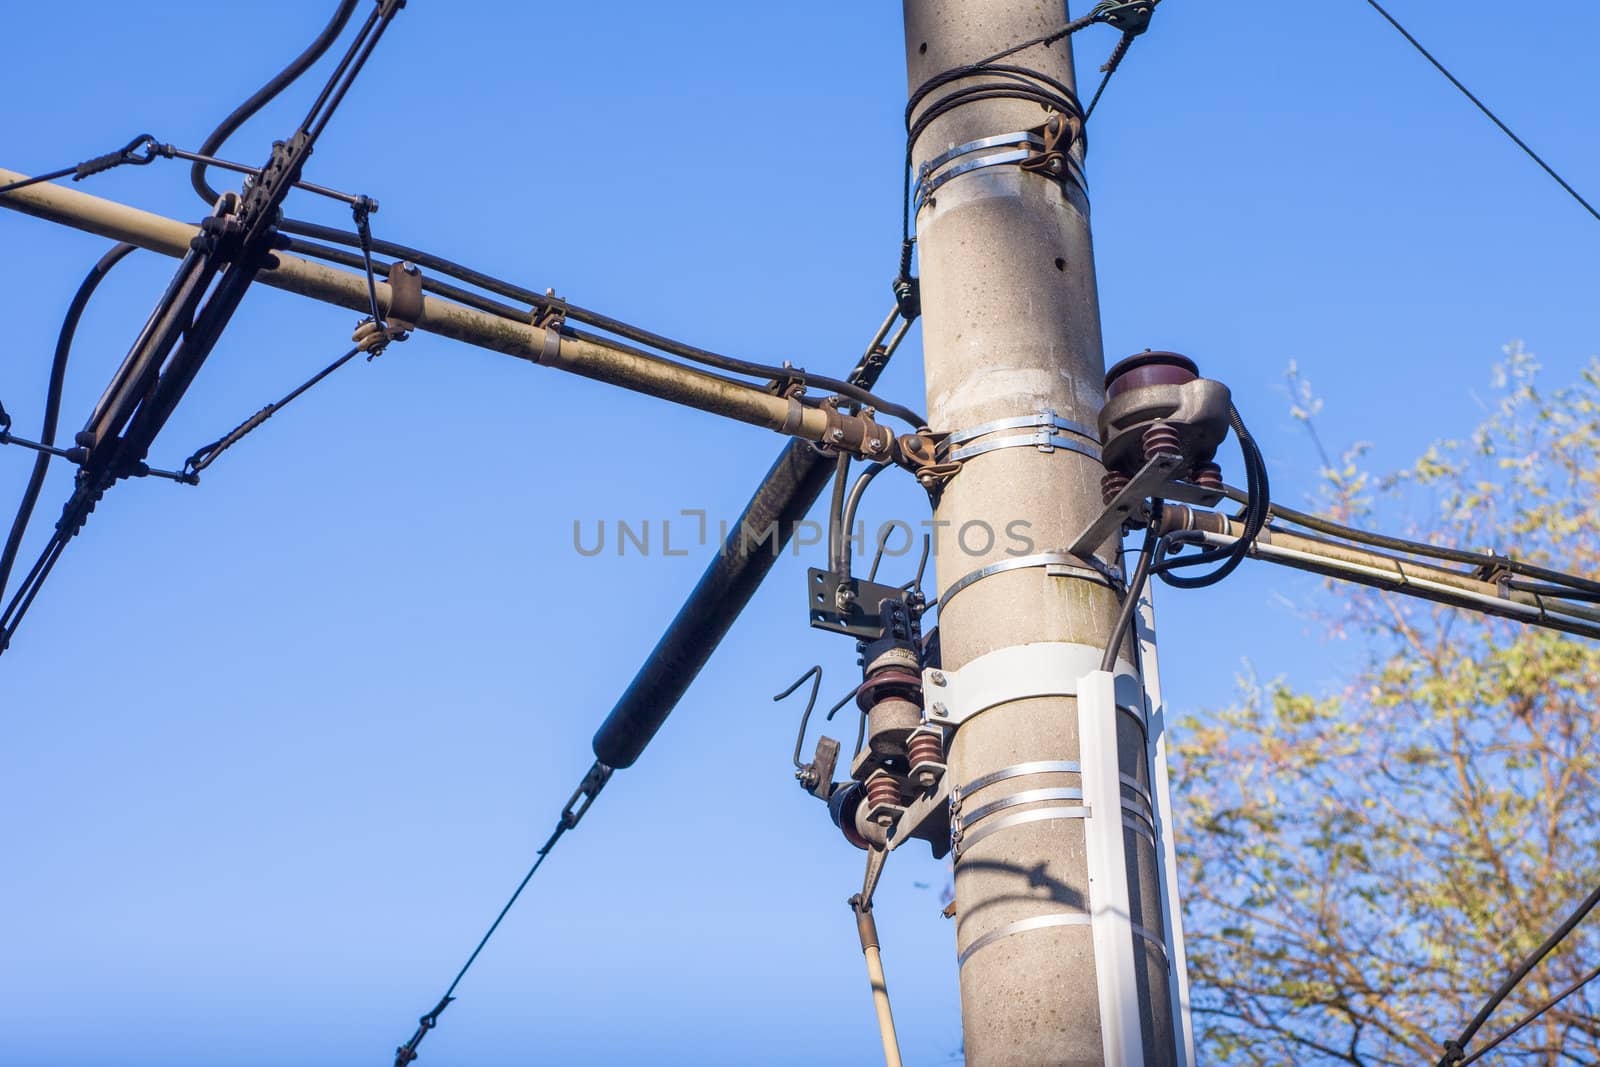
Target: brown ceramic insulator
x=924, y=748
x=1112, y=483
x=1162, y=440
x=1208, y=476
x=882, y=789
x=1150, y=368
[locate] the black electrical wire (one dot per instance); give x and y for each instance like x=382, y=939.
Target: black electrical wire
x=1130, y=600
x=1533, y=1015
x=841, y=481
x=1258, y=507
x=1013, y=83
x=852, y=502
x=262, y=96
x=1455, y=1051
x=541, y=301
x=1481, y=106
x=52, y=404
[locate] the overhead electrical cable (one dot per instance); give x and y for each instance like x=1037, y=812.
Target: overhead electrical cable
x=264, y=95
x=1481, y=106
x=1546, y=1005
x=1455, y=1050
x=52, y=405
x=576, y=313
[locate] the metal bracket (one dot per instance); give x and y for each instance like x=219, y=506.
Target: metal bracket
x=1104, y=847
x=928, y=818
x=1152, y=478
x=1047, y=668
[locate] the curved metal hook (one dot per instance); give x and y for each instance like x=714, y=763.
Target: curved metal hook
x=815, y=674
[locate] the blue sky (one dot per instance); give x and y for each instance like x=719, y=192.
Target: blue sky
x=277, y=747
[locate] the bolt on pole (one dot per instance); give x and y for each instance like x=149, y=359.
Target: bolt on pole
x=1011, y=329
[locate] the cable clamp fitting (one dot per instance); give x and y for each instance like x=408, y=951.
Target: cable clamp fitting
x=371, y=335
x=593, y=781
x=128, y=154
x=1131, y=18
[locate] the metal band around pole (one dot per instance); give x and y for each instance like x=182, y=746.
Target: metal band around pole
x=1045, y=922
x=1019, y=818
x=1058, y=564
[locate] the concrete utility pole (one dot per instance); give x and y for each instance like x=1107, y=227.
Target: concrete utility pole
x=1011, y=329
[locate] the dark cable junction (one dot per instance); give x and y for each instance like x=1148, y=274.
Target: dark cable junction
x=234, y=244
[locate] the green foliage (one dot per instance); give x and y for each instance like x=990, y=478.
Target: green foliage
x=1362, y=867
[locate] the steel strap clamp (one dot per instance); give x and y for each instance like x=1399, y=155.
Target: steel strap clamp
x=550, y=318
x=1083, y=440
x=405, y=300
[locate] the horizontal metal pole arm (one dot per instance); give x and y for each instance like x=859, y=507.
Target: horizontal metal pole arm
x=614, y=364
x=1383, y=571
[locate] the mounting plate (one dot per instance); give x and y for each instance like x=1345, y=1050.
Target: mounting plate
x=864, y=618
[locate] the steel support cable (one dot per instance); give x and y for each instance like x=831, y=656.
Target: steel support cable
x=206, y=455
x=1481, y=106
x=262, y=96
x=506, y=311
x=52, y=404
x=584, y=796
x=542, y=301
x=128, y=154
x=1455, y=1051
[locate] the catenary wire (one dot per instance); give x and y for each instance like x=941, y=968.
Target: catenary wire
x=1481, y=106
